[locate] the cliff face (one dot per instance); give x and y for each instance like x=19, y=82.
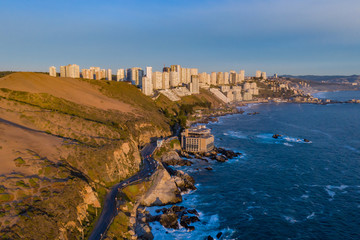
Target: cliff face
x=63, y=142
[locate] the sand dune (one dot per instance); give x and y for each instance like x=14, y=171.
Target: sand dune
x=67, y=88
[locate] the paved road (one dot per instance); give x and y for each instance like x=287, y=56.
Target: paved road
x=109, y=210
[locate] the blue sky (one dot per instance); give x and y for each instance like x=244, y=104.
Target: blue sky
x=276, y=36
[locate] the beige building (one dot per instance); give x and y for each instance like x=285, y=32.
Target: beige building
x=135, y=75
x=174, y=79
x=194, y=85
x=146, y=86
x=165, y=80
x=109, y=74
x=258, y=74
x=120, y=75
x=52, y=71
x=263, y=75
x=157, y=80
x=71, y=71
x=213, y=78
x=197, y=139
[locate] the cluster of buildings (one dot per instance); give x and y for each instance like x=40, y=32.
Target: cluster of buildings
x=174, y=81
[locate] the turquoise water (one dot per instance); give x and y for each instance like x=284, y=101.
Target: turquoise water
x=281, y=189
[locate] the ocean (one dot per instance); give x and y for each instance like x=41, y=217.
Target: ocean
x=280, y=188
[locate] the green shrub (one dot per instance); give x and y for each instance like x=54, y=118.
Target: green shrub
x=19, y=161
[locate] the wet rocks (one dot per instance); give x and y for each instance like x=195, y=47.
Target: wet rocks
x=172, y=158
x=176, y=162
x=209, y=168
x=169, y=220
x=276, y=136
x=174, y=216
x=306, y=140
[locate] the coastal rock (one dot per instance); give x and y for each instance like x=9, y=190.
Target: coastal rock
x=184, y=181
x=176, y=162
x=163, y=191
x=276, y=136
x=209, y=238
x=143, y=231
x=306, y=140
x=170, y=155
x=218, y=236
x=169, y=220
x=220, y=158
x=228, y=153
x=193, y=211
x=209, y=168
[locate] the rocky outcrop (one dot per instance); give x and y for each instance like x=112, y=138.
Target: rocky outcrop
x=172, y=158
x=162, y=191
x=171, y=217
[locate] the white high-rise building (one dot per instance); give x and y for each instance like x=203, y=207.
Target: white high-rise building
x=263, y=75
x=71, y=71
x=242, y=76
x=213, y=78
x=146, y=86
x=62, y=71
x=149, y=72
x=174, y=79
x=226, y=78
x=135, y=75
x=165, y=80
x=157, y=80
x=194, y=84
x=52, y=71
x=120, y=75
x=109, y=74
x=220, y=78
x=258, y=74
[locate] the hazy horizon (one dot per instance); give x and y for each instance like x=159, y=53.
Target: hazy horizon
x=278, y=36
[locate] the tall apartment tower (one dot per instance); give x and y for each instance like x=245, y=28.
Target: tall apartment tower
x=135, y=75
x=174, y=79
x=263, y=75
x=226, y=78
x=52, y=71
x=242, y=75
x=120, y=75
x=165, y=80
x=62, y=71
x=194, y=85
x=109, y=74
x=220, y=78
x=213, y=78
x=149, y=72
x=72, y=71
x=157, y=80
x=258, y=74
x=146, y=86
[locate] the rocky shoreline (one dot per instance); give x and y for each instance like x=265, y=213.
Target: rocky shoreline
x=175, y=216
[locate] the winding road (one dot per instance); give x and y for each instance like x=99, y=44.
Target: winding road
x=109, y=210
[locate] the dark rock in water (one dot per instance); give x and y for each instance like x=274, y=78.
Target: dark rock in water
x=306, y=140
x=220, y=158
x=193, y=211
x=160, y=210
x=169, y=221
x=276, y=136
x=209, y=168
x=219, y=235
x=209, y=238
x=177, y=162
x=191, y=228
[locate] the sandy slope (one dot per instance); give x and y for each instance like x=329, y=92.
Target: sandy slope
x=67, y=88
x=15, y=142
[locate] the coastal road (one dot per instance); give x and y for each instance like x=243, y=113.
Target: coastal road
x=109, y=210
